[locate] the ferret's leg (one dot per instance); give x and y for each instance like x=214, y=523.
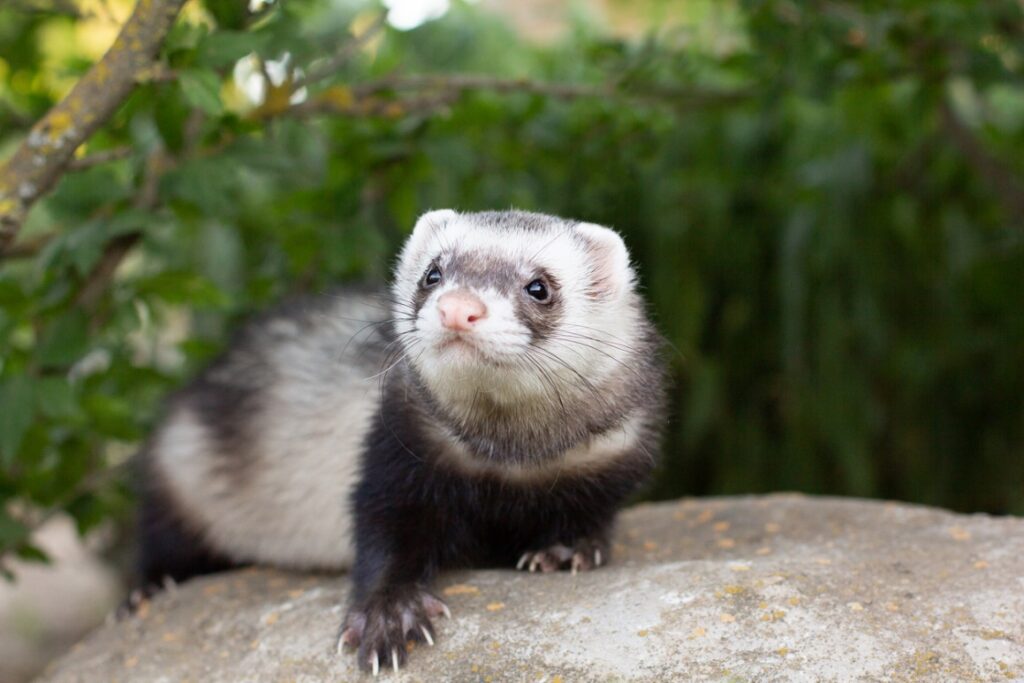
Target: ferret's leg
x=585, y=554
x=577, y=549
x=168, y=548
x=396, y=557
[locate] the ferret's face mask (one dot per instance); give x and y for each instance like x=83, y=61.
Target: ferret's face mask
x=518, y=307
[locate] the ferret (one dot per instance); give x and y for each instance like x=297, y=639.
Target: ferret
x=495, y=411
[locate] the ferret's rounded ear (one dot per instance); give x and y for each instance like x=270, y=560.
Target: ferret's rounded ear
x=433, y=220
x=427, y=226
x=608, y=258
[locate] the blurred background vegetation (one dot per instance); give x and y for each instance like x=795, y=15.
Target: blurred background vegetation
x=825, y=200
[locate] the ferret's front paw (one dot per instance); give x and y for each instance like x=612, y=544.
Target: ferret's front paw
x=583, y=556
x=132, y=604
x=380, y=627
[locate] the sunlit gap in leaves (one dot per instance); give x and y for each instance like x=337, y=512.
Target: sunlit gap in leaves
x=408, y=14
x=251, y=79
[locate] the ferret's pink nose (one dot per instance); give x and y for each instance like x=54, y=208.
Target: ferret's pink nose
x=460, y=310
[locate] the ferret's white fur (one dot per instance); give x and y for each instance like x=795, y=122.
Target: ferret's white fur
x=577, y=255
x=289, y=503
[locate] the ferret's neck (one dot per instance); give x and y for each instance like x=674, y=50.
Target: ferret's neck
x=523, y=433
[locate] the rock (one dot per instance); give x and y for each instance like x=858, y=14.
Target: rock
x=50, y=606
x=776, y=588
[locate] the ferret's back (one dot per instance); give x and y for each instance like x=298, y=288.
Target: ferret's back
x=245, y=449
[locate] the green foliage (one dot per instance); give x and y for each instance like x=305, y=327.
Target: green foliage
x=835, y=251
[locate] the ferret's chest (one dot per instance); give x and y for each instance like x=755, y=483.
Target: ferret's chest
x=493, y=523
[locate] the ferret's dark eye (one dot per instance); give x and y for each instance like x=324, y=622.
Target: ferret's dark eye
x=538, y=290
x=432, y=277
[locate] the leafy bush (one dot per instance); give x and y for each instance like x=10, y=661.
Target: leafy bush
x=825, y=201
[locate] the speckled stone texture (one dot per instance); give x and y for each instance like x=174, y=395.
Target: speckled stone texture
x=776, y=588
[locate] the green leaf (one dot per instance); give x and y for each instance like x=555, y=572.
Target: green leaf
x=16, y=413
x=228, y=13
x=11, y=293
x=11, y=530
x=65, y=341
x=56, y=398
x=199, y=350
x=112, y=416
x=181, y=287
x=30, y=553
x=201, y=88
x=224, y=48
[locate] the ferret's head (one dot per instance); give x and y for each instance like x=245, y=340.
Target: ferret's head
x=515, y=309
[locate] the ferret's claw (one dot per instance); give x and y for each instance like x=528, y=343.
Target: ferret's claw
x=348, y=636
x=426, y=635
x=522, y=561
x=580, y=556
x=434, y=606
x=375, y=665
x=394, y=659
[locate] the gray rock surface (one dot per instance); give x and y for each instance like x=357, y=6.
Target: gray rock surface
x=51, y=606
x=777, y=588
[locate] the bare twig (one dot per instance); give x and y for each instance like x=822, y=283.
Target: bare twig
x=107, y=11
x=399, y=95
x=17, y=118
x=117, y=249
x=64, y=7
x=100, y=158
x=92, y=483
x=27, y=248
x=157, y=73
x=465, y=82
x=330, y=66
x=567, y=91
x=339, y=102
x=42, y=158
x=101, y=274
x=1002, y=178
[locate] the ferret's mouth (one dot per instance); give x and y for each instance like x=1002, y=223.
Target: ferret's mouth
x=461, y=346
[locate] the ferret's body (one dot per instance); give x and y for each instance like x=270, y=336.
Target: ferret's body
x=254, y=460
x=497, y=411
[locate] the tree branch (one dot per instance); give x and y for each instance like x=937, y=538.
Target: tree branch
x=426, y=93
x=28, y=247
x=1007, y=186
x=459, y=83
x=158, y=163
x=100, y=158
x=34, y=520
x=98, y=279
x=42, y=158
x=64, y=7
x=464, y=82
x=330, y=66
